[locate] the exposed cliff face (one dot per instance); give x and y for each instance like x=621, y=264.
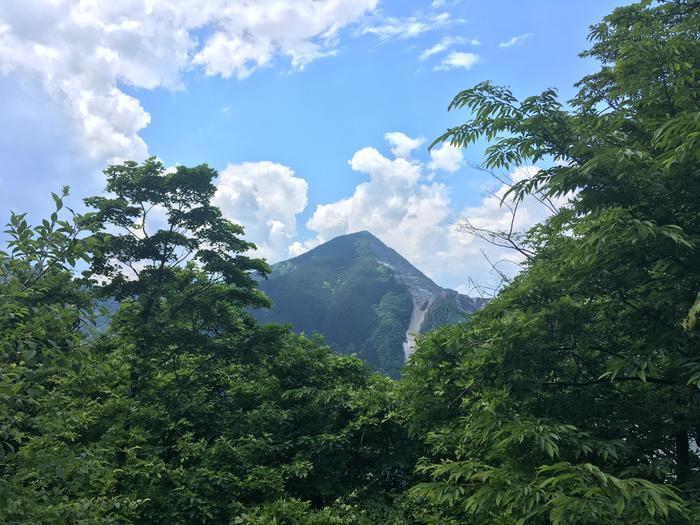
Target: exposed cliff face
x=363, y=297
x=432, y=306
x=420, y=308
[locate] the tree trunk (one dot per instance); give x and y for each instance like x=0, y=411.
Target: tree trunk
x=682, y=456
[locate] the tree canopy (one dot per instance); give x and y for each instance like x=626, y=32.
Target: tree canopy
x=573, y=397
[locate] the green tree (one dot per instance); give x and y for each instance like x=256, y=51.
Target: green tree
x=573, y=397
x=138, y=262
x=187, y=411
x=44, y=315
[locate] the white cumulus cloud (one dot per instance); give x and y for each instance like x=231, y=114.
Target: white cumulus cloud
x=458, y=59
x=402, y=145
x=446, y=158
x=263, y=197
x=83, y=52
x=414, y=215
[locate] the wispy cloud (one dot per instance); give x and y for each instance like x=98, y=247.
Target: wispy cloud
x=518, y=40
x=445, y=44
x=409, y=27
x=437, y=4
x=458, y=59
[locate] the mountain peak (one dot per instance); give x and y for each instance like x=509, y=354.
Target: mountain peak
x=364, y=244
x=363, y=296
x=354, y=236
x=361, y=233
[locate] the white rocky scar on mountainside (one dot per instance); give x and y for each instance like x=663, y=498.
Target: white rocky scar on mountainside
x=422, y=300
x=420, y=309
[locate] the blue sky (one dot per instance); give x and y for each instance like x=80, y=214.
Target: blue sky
x=291, y=101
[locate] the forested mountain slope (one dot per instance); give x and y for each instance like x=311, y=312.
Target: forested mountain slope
x=363, y=296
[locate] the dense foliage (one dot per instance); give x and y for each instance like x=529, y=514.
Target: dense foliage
x=185, y=410
x=572, y=398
